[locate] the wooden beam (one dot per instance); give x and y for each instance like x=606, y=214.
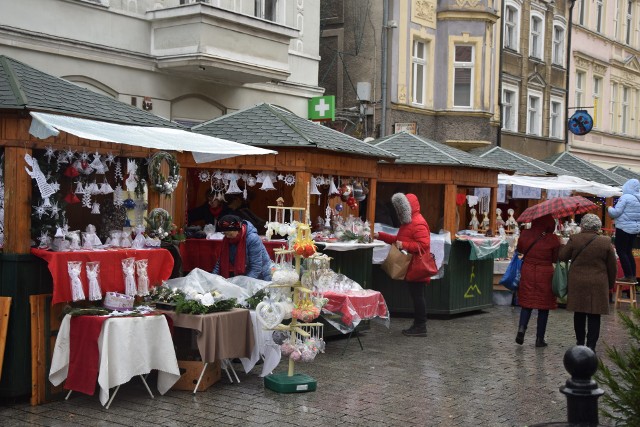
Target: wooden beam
x=5, y=308
x=39, y=341
x=608, y=222
x=450, y=209
x=180, y=200
x=371, y=203
x=17, y=208
x=299, y=192
x=492, y=209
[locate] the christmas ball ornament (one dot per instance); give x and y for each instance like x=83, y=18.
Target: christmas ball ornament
x=339, y=207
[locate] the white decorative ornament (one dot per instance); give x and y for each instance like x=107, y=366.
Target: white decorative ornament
x=110, y=158
x=314, y=186
x=46, y=190
x=132, y=181
x=270, y=314
x=289, y=179
x=118, y=199
x=97, y=164
x=251, y=181
x=204, y=176
x=105, y=188
x=280, y=177
x=332, y=187
x=49, y=153
x=233, y=184
x=267, y=184
x=86, y=200
x=79, y=188
x=95, y=208
x=118, y=172
x=55, y=210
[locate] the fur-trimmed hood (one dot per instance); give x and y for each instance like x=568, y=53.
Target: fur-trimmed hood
x=406, y=206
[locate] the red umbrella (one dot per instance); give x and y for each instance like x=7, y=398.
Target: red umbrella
x=558, y=207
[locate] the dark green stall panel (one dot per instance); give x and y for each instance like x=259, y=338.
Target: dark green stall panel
x=20, y=277
x=356, y=265
x=466, y=286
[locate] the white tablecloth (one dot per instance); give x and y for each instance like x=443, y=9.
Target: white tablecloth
x=350, y=246
x=263, y=347
x=129, y=346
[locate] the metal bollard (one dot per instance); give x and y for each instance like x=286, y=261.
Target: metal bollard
x=581, y=391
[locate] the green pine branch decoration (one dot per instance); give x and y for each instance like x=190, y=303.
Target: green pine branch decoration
x=622, y=404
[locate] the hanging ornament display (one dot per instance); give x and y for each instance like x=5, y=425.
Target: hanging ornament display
x=95, y=208
x=251, y=181
x=97, y=164
x=40, y=210
x=218, y=187
x=55, y=210
x=204, y=176
x=86, y=200
x=233, y=183
x=118, y=172
x=110, y=158
x=79, y=188
x=289, y=179
x=160, y=183
x=314, y=186
x=105, y=188
x=358, y=192
x=49, y=153
x=71, y=171
x=267, y=183
x=132, y=180
x=118, y=196
x=333, y=190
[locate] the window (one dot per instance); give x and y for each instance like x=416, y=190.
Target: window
x=612, y=106
x=558, y=44
x=599, y=12
x=616, y=19
x=463, y=76
x=629, y=22
x=579, y=99
x=418, y=72
x=555, y=121
x=597, y=110
x=580, y=4
x=267, y=9
x=510, y=108
x=512, y=27
x=537, y=37
x=534, y=116
x=624, y=113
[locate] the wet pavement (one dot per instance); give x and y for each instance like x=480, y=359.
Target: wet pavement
x=467, y=372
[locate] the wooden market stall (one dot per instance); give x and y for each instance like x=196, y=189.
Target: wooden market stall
x=441, y=177
x=36, y=147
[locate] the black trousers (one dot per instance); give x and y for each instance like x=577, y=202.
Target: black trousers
x=417, y=291
x=587, y=325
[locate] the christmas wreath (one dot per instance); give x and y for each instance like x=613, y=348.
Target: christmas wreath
x=161, y=184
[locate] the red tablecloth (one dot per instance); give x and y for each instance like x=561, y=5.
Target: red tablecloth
x=356, y=305
x=111, y=277
x=203, y=253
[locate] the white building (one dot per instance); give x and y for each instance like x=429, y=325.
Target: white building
x=185, y=60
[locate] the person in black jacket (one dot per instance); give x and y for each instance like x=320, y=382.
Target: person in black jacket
x=209, y=212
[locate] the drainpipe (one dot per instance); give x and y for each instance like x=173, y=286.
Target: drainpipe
x=383, y=77
x=500, y=50
x=566, y=84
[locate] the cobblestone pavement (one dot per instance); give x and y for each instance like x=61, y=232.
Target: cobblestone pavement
x=467, y=372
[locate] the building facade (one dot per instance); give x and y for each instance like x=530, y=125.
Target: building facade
x=605, y=79
x=533, y=79
x=184, y=60
x=424, y=66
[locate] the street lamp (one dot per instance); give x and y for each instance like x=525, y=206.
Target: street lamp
x=566, y=84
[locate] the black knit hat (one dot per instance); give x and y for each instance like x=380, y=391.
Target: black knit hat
x=229, y=223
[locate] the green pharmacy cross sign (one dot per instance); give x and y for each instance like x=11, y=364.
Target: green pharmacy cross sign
x=322, y=108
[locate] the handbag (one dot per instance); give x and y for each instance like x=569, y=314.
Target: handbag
x=424, y=267
x=560, y=281
x=396, y=263
x=511, y=277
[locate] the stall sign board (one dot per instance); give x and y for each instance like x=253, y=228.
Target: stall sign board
x=411, y=128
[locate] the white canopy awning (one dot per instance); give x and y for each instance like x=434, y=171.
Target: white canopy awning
x=204, y=148
x=562, y=182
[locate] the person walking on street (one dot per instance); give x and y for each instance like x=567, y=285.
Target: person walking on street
x=414, y=237
x=540, y=248
x=626, y=213
x=592, y=275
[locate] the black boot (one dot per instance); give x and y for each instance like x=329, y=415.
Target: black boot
x=416, y=331
x=540, y=342
x=520, y=336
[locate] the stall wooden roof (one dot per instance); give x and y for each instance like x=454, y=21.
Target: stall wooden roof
x=523, y=165
x=418, y=150
x=624, y=172
x=270, y=126
x=25, y=88
x=585, y=169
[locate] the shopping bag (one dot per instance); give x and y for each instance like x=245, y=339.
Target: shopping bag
x=559, y=281
x=422, y=267
x=396, y=263
x=511, y=277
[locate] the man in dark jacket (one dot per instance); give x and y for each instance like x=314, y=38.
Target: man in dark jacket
x=208, y=212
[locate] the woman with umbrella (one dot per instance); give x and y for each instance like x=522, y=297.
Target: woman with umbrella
x=540, y=248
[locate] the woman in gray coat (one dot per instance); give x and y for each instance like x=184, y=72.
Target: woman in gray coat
x=591, y=276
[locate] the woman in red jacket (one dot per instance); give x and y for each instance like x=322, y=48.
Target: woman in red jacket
x=541, y=248
x=414, y=237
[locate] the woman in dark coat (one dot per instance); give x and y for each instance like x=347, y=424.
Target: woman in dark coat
x=534, y=292
x=414, y=237
x=591, y=276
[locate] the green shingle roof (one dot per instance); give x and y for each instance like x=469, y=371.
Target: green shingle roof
x=523, y=165
x=414, y=149
x=24, y=87
x=584, y=169
x=624, y=172
x=270, y=126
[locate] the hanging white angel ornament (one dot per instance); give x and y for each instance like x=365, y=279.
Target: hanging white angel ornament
x=233, y=183
x=132, y=181
x=97, y=164
x=79, y=188
x=46, y=190
x=267, y=183
x=95, y=208
x=333, y=190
